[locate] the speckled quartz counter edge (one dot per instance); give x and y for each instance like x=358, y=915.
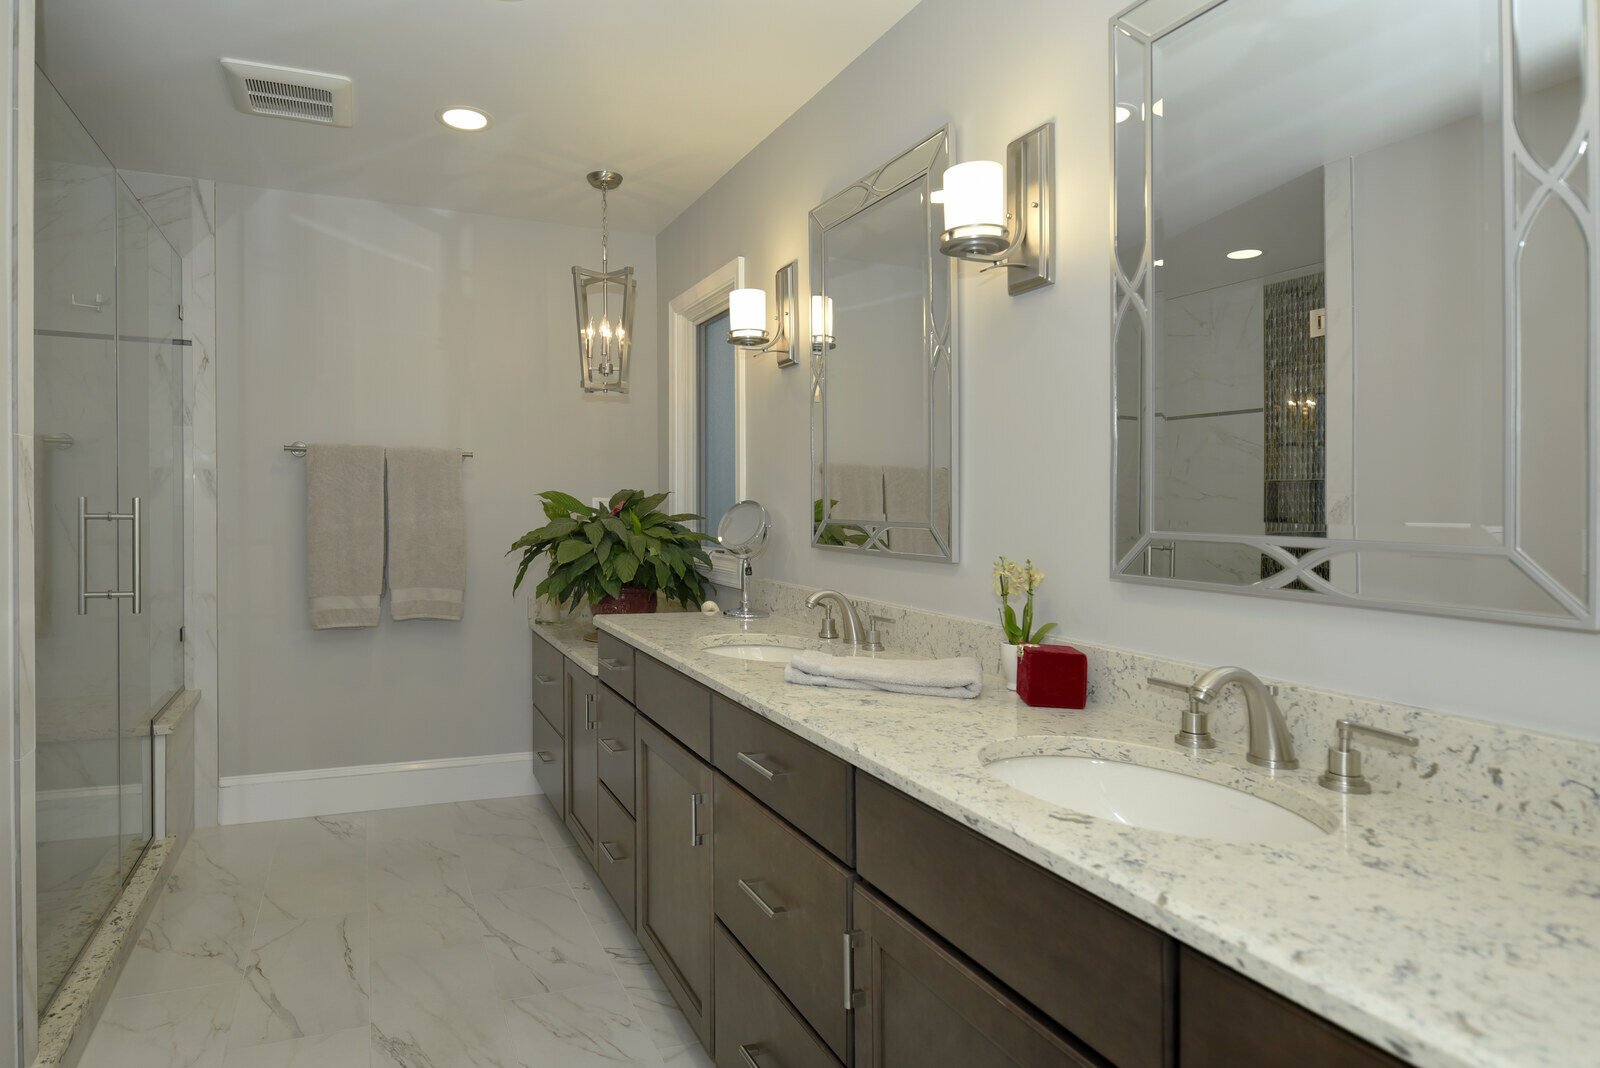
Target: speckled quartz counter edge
x=1433, y=930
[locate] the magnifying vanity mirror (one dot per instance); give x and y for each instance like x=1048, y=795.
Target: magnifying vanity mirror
x=742, y=533
x=1354, y=304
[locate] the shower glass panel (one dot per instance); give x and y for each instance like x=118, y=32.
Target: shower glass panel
x=107, y=406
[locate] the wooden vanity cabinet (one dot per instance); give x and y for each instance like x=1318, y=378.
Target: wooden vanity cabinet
x=918, y=1005
x=1228, y=1020
x=583, y=781
x=675, y=872
x=550, y=684
x=614, y=739
x=550, y=763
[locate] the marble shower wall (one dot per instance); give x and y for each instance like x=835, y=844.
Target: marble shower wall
x=185, y=209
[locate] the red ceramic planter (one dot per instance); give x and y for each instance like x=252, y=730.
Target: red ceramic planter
x=633, y=600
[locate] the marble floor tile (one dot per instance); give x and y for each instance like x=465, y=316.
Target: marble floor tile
x=399, y=939
x=545, y=930
x=172, y=1029
x=663, y=1021
x=342, y=1049
x=306, y=977
x=309, y=881
x=409, y=873
x=592, y=1027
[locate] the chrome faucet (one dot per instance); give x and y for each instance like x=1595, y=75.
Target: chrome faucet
x=852, y=620
x=1270, y=743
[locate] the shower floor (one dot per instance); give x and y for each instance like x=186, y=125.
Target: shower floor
x=462, y=934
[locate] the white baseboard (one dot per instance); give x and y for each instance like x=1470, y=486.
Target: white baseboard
x=287, y=795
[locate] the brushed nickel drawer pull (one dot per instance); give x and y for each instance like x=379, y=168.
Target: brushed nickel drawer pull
x=749, y=1054
x=542, y=679
x=611, y=854
x=753, y=760
x=771, y=912
x=612, y=745
x=695, y=837
x=849, y=971
x=545, y=756
x=588, y=711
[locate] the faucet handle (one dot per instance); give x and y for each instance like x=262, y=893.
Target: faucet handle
x=1196, y=730
x=873, y=644
x=1344, y=761
x=830, y=630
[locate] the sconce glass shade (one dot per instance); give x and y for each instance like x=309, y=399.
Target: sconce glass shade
x=822, y=324
x=605, y=327
x=975, y=210
x=747, y=317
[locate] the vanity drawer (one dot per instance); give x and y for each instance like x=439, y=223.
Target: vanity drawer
x=805, y=785
x=614, y=738
x=678, y=704
x=550, y=764
x=549, y=687
x=1228, y=1020
x=1103, y=975
x=788, y=903
x=616, y=664
x=613, y=854
x=754, y=1023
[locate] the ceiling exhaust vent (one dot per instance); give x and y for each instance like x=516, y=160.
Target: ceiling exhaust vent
x=287, y=93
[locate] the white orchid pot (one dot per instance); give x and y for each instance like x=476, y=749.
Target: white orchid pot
x=1008, y=663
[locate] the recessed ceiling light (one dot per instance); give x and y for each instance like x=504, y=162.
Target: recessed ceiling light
x=465, y=118
x=1244, y=254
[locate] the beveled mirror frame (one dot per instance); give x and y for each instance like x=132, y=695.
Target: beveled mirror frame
x=922, y=166
x=1143, y=24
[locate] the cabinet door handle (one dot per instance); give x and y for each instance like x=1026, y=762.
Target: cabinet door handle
x=611, y=854
x=748, y=1054
x=545, y=756
x=695, y=837
x=542, y=679
x=612, y=745
x=771, y=912
x=849, y=971
x=753, y=760
x=588, y=711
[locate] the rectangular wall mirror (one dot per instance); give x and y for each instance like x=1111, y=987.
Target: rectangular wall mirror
x=1354, y=325
x=883, y=396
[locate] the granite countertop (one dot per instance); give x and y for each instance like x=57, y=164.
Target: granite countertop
x=568, y=638
x=1437, y=932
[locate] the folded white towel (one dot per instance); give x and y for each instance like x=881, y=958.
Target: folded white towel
x=344, y=534
x=958, y=676
x=427, y=534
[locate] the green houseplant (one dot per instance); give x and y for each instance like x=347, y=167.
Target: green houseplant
x=616, y=558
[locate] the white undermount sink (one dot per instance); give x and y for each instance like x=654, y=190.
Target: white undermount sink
x=757, y=648
x=1153, y=798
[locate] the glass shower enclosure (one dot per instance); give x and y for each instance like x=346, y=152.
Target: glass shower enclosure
x=108, y=525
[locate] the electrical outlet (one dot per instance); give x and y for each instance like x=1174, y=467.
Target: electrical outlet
x=1319, y=322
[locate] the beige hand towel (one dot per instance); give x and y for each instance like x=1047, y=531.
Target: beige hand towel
x=344, y=534
x=427, y=534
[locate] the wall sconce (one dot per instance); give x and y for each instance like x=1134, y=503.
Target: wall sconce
x=747, y=317
x=1003, y=216
x=822, y=325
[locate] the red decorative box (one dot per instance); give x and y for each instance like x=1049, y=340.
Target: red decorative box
x=1052, y=676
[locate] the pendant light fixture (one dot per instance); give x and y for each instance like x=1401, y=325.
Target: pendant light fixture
x=605, y=308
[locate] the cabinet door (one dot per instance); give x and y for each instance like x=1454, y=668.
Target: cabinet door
x=675, y=871
x=919, y=1005
x=583, y=783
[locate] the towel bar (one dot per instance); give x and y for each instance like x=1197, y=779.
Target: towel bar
x=298, y=448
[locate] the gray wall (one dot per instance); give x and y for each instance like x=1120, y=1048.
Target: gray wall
x=352, y=321
x=1035, y=385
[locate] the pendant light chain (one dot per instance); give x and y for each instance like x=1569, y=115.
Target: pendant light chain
x=605, y=258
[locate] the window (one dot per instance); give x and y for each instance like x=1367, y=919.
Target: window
x=718, y=432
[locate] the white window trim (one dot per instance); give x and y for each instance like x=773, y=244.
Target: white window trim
x=705, y=300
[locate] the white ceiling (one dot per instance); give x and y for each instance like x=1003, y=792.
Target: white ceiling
x=672, y=93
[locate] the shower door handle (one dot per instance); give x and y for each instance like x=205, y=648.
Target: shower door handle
x=134, y=516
